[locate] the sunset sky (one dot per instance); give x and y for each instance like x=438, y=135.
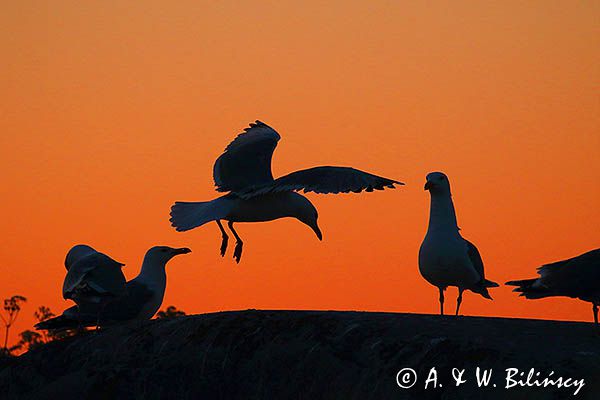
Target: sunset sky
x=112, y=110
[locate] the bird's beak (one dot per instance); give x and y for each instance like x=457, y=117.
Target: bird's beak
x=183, y=250
x=317, y=231
x=428, y=185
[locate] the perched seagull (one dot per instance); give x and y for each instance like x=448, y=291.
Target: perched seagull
x=143, y=297
x=446, y=258
x=577, y=277
x=244, y=170
x=92, y=277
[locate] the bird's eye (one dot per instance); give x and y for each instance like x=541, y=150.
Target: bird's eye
x=163, y=250
x=442, y=178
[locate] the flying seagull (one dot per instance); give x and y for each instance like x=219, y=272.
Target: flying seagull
x=445, y=257
x=92, y=277
x=577, y=277
x=244, y=170
x=142, y=298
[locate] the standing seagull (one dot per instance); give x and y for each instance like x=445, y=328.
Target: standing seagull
x=244, y=170
x=577, y=277
x=446, y=258
x=143, y=297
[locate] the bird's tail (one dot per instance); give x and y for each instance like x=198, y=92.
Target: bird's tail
x=488, y=283
x=529, y=288
x=190, y=215
x=522, y=283
x=61, y=322
x=483, y=286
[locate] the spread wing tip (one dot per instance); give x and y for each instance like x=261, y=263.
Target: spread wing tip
x=256, y=123
x=387, y=183
x=259, y=124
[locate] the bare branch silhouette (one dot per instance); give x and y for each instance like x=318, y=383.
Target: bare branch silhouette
x=12, y=306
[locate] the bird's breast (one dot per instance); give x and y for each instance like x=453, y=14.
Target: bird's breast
x=443, y=261
x=151, y=306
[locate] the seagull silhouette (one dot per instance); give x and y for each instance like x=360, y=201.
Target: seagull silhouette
x=244, y=170
x=577, y=277
x=445, y=257
x=140, y=298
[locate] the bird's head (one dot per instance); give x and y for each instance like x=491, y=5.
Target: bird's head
x=162, y=254
x=437, y=183
x=306, y=213
x=76, y=253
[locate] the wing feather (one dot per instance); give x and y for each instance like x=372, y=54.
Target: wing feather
x=574, y=277
x=94, y=275
x=324, y=180
x=475, y=258
x=246, y=161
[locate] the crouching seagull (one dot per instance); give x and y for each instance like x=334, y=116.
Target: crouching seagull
x=141, y=299
x=577, y=277
x=445, y=257
x=244, y=170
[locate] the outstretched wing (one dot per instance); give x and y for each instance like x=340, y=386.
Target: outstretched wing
x=246, y=162
x=94, y=275
x=324, y=180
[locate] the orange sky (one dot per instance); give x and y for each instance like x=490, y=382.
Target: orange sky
x=110, y=111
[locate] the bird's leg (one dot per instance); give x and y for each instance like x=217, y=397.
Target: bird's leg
x=458, y=300
x=224, y=237
x=441, y=301
x=98, y=320
x=101, y=308
x=79, y=325
x=237, y=252
x=595, y=310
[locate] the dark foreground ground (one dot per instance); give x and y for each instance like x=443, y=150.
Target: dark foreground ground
x=307, y=355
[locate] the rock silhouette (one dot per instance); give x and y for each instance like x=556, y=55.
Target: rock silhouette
x=304, y=355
